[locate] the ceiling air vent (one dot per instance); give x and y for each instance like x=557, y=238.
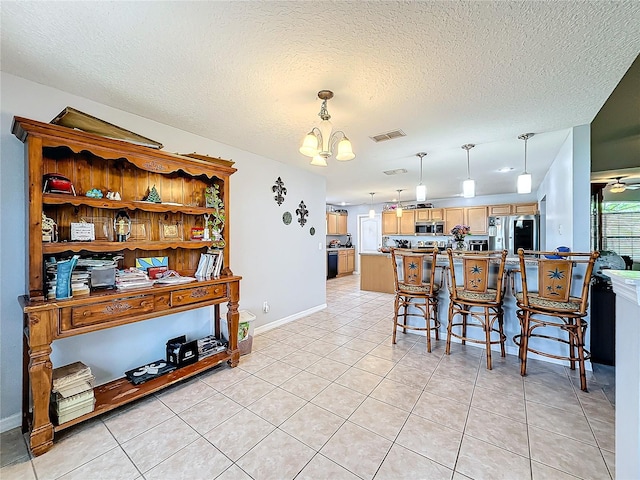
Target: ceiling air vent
x=388, y=136
x=397, y=171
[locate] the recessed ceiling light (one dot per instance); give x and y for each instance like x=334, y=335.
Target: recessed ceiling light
x=505, y=169
x=342, y=203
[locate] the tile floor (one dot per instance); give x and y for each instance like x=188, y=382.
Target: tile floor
x=329, y=397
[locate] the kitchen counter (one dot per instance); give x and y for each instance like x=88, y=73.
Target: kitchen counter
x=626, y=286
x=335, y=249
x=376, y=275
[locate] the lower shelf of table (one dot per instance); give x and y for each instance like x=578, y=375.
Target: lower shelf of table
x=121, y=391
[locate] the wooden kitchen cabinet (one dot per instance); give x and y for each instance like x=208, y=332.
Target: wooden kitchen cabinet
x=452, y=217
x=513, y=209
x=392, y=225
x=407, y=223
x=92, y=161
x=525, y=209
x=476, y=218
x=389, y=223
x=342, y=224
x=336, y=223
x=429, y=214
x=346, y=261
x=499, y=210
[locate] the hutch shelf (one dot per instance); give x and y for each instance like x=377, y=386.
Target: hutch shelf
x=91, y=161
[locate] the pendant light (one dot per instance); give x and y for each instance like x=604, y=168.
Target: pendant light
x=372, y=212
x=421, y=190
x=469, y=185
x=399, y=207
x=524, y=179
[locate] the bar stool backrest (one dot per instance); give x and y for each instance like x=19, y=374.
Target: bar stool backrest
x=477, y=277
x=556, y=279
x=413, y=271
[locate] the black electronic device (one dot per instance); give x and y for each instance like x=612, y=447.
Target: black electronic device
x=148, y=372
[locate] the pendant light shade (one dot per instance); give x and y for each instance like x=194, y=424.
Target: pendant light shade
x=372, y=212
x=469, y=188
x=524, y=179
x=469, y=185
x=421, y=190
x=399, y=207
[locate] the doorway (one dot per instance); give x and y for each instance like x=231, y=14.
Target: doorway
x=369, y=235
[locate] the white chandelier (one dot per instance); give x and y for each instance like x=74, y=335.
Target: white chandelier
x=319, y=142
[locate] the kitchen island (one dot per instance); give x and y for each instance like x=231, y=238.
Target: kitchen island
x=376, y=275
x=626, y=286
x=376, y=272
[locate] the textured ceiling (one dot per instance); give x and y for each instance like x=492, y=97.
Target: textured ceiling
x=247, y=74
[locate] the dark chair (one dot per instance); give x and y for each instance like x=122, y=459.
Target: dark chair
x=550, y=303
x=417, y=290
x=476, y=297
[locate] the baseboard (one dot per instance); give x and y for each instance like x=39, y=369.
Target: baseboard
x=11, y=422
x=290, y=318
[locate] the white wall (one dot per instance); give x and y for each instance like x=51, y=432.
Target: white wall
x=279, y=264
x=566, y=190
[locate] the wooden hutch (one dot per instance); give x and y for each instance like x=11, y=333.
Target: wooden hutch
x=91, y=161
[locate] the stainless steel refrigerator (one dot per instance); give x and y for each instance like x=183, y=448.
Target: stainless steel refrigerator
x=514, y=232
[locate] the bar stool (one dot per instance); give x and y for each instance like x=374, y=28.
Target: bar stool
x=476, y=297
x=414, y=275
x=550, y=303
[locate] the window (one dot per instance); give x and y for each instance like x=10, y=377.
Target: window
x=621, y=228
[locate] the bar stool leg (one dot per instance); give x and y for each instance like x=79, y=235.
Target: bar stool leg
x=406, y=303
x=487, y=332
x=464, y=324
x=524, y=343
x=583, y=374
x=503, y=352
x=572, y=342
x=447, y=349
x=427, y=321
x=395, y=319
x=435, y=316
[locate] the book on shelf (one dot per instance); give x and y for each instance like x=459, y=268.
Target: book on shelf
x=210, y=264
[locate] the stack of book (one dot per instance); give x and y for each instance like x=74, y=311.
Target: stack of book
x=132, y=278
x=210, y=264
x=72, y=393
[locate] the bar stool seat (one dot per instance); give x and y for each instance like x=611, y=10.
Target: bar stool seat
x=476, y=298
x=549, y=304
x=416, y=292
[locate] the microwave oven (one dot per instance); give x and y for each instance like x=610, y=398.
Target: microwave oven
x=430, y=228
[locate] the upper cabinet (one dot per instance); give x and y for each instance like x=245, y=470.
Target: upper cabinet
x=151, y=230
x=513, y=209
x=429, y=214
x=336, y=223
x=452, y=217
x=394, y=225
x=476, y=218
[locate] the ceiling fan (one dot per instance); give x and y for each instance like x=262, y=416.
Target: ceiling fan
x=619, y=186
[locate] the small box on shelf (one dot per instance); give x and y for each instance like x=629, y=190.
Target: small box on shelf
x=180, y=352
